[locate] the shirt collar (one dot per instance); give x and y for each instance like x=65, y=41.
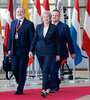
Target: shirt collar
x=21, y=21
x=55, y=23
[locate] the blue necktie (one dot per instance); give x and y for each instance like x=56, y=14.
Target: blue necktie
x=18, y=23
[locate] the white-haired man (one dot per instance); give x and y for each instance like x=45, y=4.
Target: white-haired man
x=20, y=38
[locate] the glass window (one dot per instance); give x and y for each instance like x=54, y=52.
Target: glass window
x=81, y=2
x=3, y=1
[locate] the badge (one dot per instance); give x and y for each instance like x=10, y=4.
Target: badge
x=16, y=36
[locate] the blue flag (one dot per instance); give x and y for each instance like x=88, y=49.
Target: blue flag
x=75, y=33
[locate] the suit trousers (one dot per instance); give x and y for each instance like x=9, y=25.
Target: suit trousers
x=19, y=67
x=45, y=63
x=54, y=79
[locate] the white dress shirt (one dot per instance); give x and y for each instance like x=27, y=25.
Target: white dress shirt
x=45, y=31
x=21, y=21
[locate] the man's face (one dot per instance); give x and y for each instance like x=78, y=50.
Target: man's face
x=55, y=16
x=20, y=13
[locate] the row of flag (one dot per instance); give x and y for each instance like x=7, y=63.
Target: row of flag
x=75, y=25
x=75, y=32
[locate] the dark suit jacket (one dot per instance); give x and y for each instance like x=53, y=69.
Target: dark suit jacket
x=47, y=45
x=65, y=37
x=26, y=33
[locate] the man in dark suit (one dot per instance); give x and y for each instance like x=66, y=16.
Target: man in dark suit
x=64, y=39
x=20, y=38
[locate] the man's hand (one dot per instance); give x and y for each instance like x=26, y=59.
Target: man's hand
x=73, y=56
x=9, y=52
x=57, y=58
x=30, y=55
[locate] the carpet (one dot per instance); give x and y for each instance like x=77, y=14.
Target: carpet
x=69, y=93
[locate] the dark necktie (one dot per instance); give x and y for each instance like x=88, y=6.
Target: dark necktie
x=18, y=23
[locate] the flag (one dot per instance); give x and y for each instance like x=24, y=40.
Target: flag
x=9, y=18
x=75, y=33
x=63, y=61
x=36, y=20
x=1, y=43
x=60, y=8
x=46, y=5
x=0, y=25
x=30, y=61
x=37, y=12
x=86, y=30
x=24, y=4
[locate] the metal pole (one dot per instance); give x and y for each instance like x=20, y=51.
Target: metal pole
x=88, y=65
x=88, y=70
x=72, y=81
x=69, y=12
x=56, y=2
x=14, y=9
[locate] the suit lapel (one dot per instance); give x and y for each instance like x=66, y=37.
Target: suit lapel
x=41, y=33
x=14, y=28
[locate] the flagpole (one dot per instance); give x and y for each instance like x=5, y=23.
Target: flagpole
x=35, y=64
x=86, y=35
x=88, y=69
x=73, y=71
x=56, y=2
x=33, y=11
x=15, y=9
x=69, y=12
x=9, y=84
x=72, y=81
x=36, y=71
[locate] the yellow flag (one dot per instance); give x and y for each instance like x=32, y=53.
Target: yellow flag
x=0, y=24
x=24, y=4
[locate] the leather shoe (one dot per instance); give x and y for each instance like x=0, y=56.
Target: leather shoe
x=52, y=91
x=43, y=94
x=47, y=93
x=57, y=88
x=18, y=93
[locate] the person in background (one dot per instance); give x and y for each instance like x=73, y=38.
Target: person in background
x=64, y=40
x=46, y=45
x=20, y=39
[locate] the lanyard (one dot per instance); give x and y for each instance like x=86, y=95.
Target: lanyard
x=19, y=26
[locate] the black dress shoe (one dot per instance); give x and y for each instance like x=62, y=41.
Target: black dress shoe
x=43, y=94
x=52, y=91
x=47, y=93
x=18, y=93
x=57, y=88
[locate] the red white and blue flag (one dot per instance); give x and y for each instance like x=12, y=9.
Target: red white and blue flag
x=75, y=33
x=86, y=30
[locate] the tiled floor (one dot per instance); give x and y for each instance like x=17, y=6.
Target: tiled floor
x=87, y=97
x=81, y=80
